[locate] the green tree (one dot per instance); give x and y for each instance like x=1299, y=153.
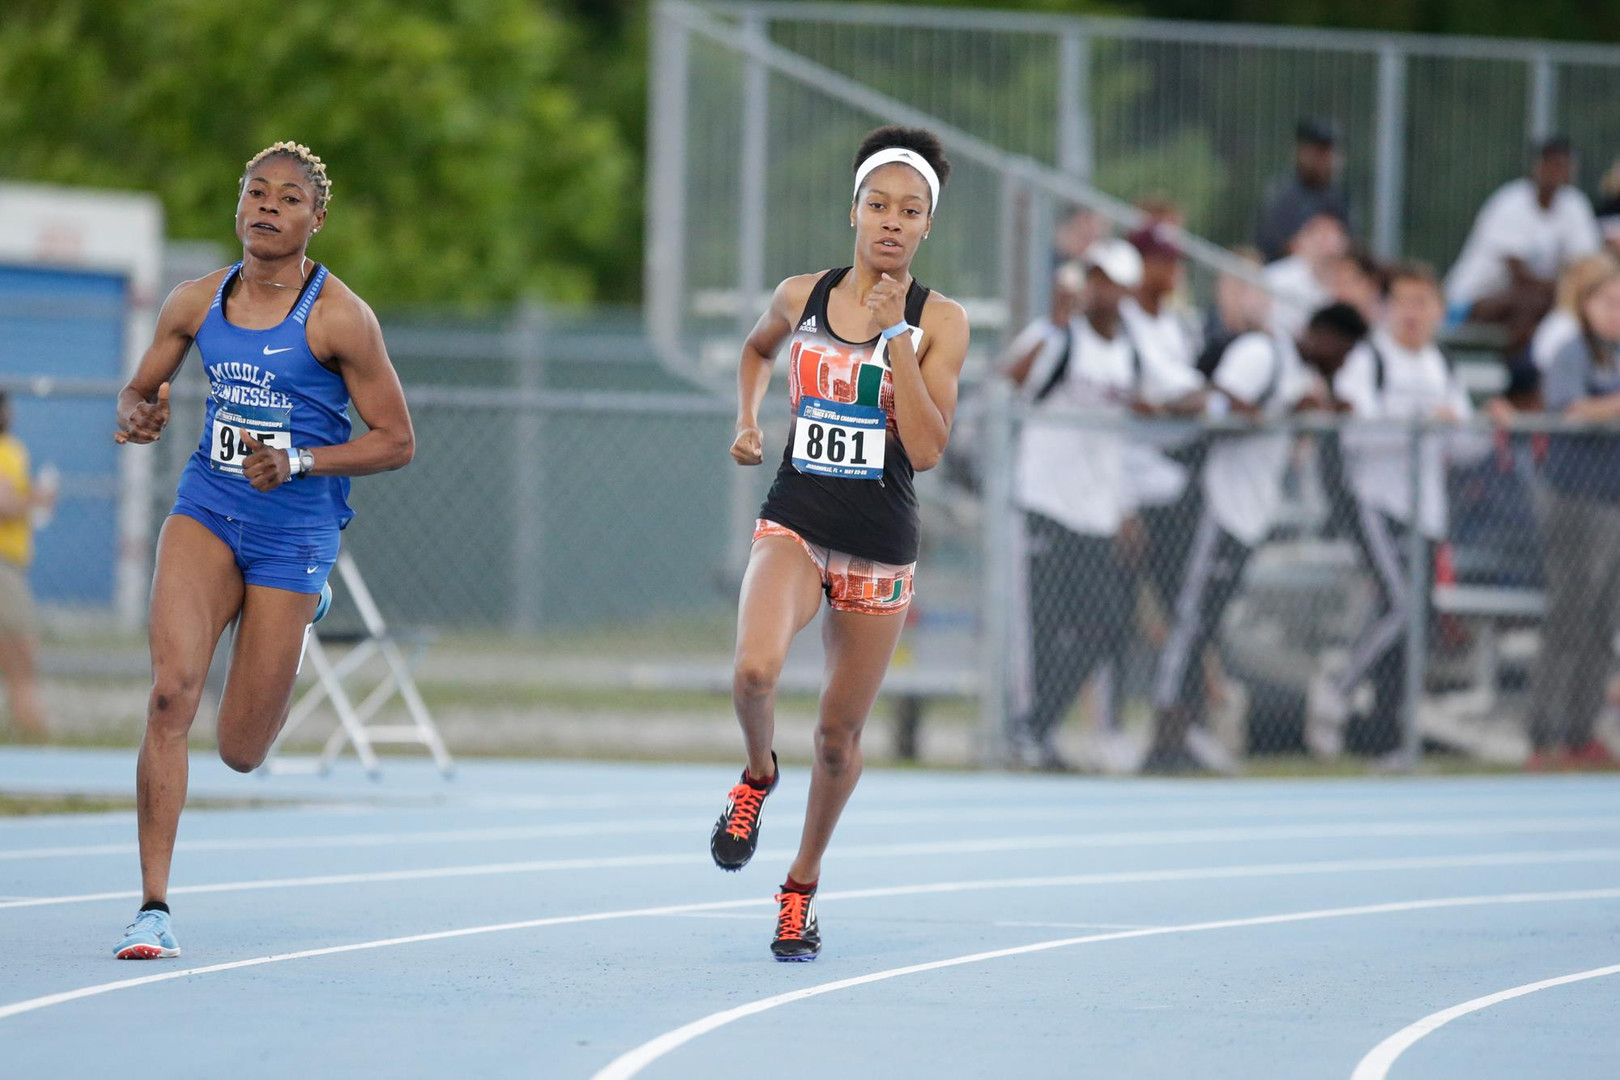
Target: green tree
x=467, y=171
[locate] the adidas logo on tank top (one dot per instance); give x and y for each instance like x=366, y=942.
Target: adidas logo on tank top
x=808, y=326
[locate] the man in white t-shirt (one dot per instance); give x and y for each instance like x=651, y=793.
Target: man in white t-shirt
x=1082, y=378
x=1398, y=374
x=1265, y=377
x=1522, y=238
x=1303, y=282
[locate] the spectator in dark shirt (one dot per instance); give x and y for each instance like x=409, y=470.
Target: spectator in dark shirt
x=1293, y=200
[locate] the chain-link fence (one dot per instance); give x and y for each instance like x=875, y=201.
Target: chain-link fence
x=1269, y=600
x=596, y=540
x=568, y=553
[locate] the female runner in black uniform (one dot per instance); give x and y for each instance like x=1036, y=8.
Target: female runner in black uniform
x=874, y=362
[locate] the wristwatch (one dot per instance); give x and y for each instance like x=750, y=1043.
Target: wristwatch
x=300, y=461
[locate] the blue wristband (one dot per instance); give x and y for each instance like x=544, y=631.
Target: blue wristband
x=896, y=330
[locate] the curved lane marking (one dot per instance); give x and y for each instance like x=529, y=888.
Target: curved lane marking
x=937, y=888
x=634, y=1061
x=1377, y=1063
x=1134, y=839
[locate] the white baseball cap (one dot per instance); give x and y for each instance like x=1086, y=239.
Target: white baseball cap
x=1117, y=258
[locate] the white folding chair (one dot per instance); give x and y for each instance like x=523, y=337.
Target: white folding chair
x=353, y=719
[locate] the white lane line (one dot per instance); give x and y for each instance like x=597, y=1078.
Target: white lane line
x=936, y=888
x=1074, y=925
x=629, y=1064
x=883, y=851
x=1376, y=1065
x=986, y=815
x=371, y=839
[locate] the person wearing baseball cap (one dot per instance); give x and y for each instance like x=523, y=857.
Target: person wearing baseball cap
x=1162, y=464
x=1311, y=189
x=1078, y=381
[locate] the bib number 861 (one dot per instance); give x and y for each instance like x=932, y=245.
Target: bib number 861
x=823, y=443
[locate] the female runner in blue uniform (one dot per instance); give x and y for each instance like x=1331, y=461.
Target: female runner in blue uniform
x=873, y=367
x=254, y=529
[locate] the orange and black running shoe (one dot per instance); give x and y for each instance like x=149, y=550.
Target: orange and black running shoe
x=736, y=833
x=798, y=934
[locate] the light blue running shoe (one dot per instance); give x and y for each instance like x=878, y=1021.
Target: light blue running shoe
x=149, y=937
x=324, y=606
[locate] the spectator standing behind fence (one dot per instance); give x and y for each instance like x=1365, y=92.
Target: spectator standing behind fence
x=1266, y=377
x=1075, y=234
x=1070, y=485
x=1155, y=481
x=1583, y=527
x=1524, y=235
x=1397, y=375
x=1357, y=279
x=1304, y=281
x=1311, y=189
x=1240, y=307
x=20, y=499
x=1563, y=323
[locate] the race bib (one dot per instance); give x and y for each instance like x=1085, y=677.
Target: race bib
x=843, y=441
x=271, y=426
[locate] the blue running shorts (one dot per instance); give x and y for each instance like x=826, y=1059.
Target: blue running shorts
x=295, y=558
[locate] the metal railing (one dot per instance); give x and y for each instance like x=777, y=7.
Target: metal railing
x=756, y=107
x=611, y=525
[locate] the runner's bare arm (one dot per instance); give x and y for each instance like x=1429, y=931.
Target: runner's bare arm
x=344, y=331
x=143, y=403
x=758, y=354
x=925, y=393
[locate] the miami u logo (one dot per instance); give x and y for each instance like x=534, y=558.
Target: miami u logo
x=837, y=373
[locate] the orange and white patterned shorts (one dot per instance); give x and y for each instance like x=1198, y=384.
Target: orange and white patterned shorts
x=851, y=582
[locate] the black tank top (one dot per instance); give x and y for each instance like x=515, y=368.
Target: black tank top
x=871, y=519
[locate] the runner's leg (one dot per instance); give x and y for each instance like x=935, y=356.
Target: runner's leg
x=858, y=647
x=196, y=591
x=264, y=667
x=781, y=593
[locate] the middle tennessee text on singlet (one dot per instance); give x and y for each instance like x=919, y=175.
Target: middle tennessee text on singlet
x=866, y=508
x=269, y=383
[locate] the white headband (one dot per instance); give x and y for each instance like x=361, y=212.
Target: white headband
x=909, y=157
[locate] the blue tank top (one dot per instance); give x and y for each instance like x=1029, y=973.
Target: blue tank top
x=269, y=382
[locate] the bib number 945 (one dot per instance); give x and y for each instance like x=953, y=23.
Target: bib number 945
x=228, y=453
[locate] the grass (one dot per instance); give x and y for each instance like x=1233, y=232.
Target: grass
x=488, y=695
x=16, y=805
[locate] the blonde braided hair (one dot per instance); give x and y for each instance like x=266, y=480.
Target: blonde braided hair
x=314, y=167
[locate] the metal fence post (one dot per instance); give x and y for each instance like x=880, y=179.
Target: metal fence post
x=1543, y=98
x=752, y=174
x=1389, y=176
x=1075, y=149
x=528, y=501
x=1016, y=285
x=1418, y=584
x=664, y=282
x=997, y=575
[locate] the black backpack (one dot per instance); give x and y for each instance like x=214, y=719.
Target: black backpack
x=1061, y=371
